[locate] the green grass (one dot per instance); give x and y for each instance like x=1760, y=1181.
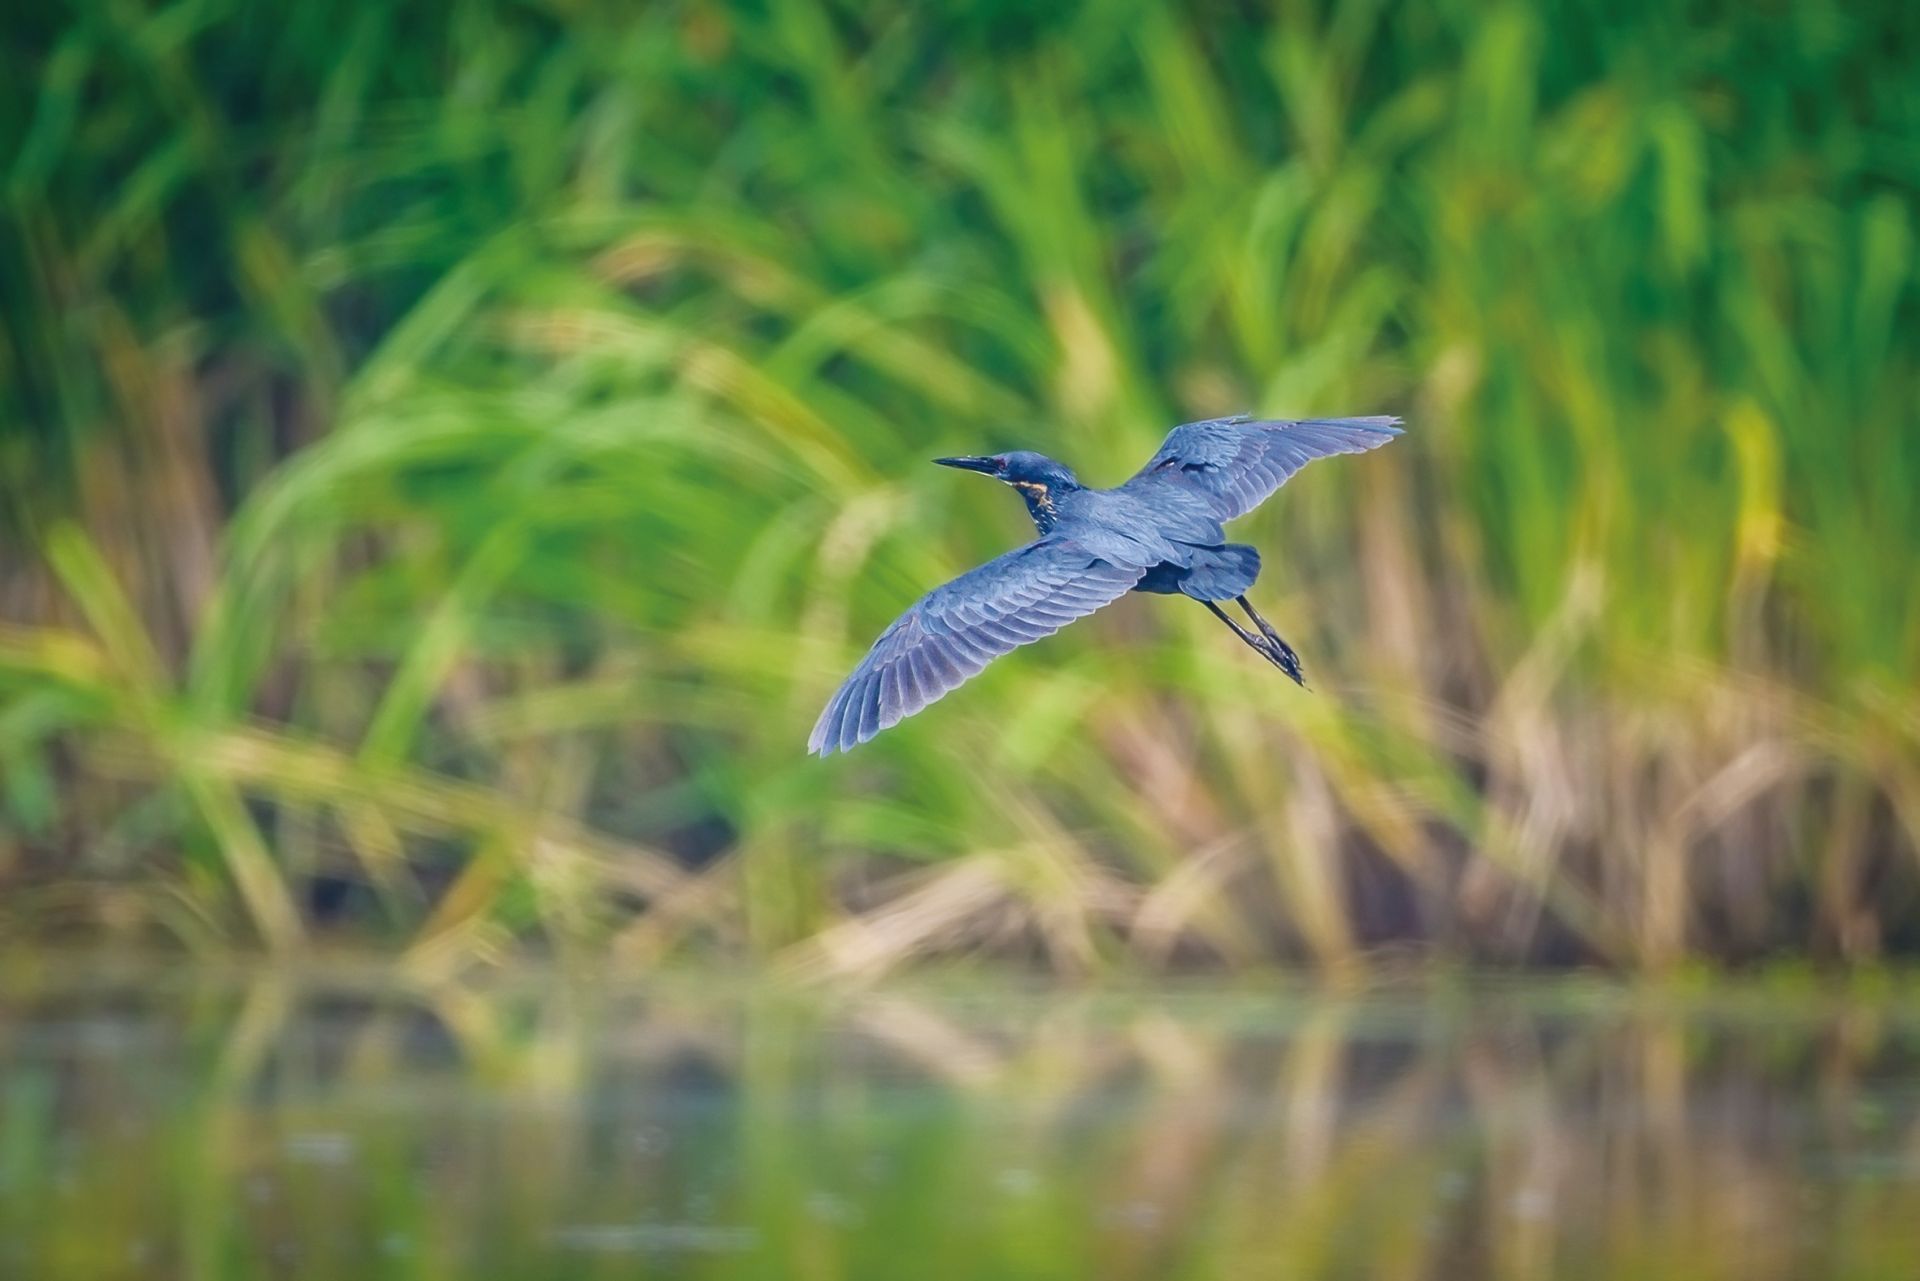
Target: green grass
x=448, y=459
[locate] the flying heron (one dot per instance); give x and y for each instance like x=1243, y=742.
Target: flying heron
x=1160, y=532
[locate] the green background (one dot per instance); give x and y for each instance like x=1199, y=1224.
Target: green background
x=448, y=454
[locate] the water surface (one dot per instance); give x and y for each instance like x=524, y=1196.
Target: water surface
x=179, y=1125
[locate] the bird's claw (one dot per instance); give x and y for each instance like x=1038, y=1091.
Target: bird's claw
x=1282, y=656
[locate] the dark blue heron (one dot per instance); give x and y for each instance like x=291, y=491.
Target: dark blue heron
x=1159, y=532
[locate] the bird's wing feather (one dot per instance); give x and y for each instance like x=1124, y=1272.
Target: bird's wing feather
x=954, y=631
x=1235, y=464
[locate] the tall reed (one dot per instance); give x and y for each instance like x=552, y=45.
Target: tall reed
x=449, y=459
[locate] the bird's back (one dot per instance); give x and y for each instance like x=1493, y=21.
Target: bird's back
x=1140, y=527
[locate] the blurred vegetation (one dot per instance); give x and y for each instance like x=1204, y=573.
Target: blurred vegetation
x=449, y=454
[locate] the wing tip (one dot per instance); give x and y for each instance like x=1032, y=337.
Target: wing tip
x=1386, y=424
x=826, y=736
x=853, y=716
x=1389, y=424
x=824, y=745
x=1359, y=435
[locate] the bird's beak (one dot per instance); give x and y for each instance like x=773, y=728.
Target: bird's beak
x=970, y=463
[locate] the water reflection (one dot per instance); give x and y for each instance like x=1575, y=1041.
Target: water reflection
x=331, y=1129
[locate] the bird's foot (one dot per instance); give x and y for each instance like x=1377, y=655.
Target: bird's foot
x=1275, y=650
x=1282, y=656
x=1267, y=645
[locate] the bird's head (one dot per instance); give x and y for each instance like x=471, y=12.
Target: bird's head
x=1035, y=475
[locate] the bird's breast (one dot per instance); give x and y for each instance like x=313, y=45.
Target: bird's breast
x=1041, y=504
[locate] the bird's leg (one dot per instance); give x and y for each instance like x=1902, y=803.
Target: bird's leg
x=1281, y=657
x=1289, y=661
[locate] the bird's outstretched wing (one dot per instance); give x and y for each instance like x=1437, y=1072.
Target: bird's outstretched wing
x=1235, y=464
x=956, y=630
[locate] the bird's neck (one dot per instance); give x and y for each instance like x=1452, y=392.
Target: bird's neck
x=1042, y=502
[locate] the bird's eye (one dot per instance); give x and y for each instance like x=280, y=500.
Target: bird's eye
x=1000, y=465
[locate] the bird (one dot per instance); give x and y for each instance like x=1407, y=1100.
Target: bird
x=1161, y=532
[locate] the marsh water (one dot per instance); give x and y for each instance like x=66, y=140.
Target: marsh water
x=159, y=1123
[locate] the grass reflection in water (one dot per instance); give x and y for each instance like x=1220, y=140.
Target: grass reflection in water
x=348, y=1129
